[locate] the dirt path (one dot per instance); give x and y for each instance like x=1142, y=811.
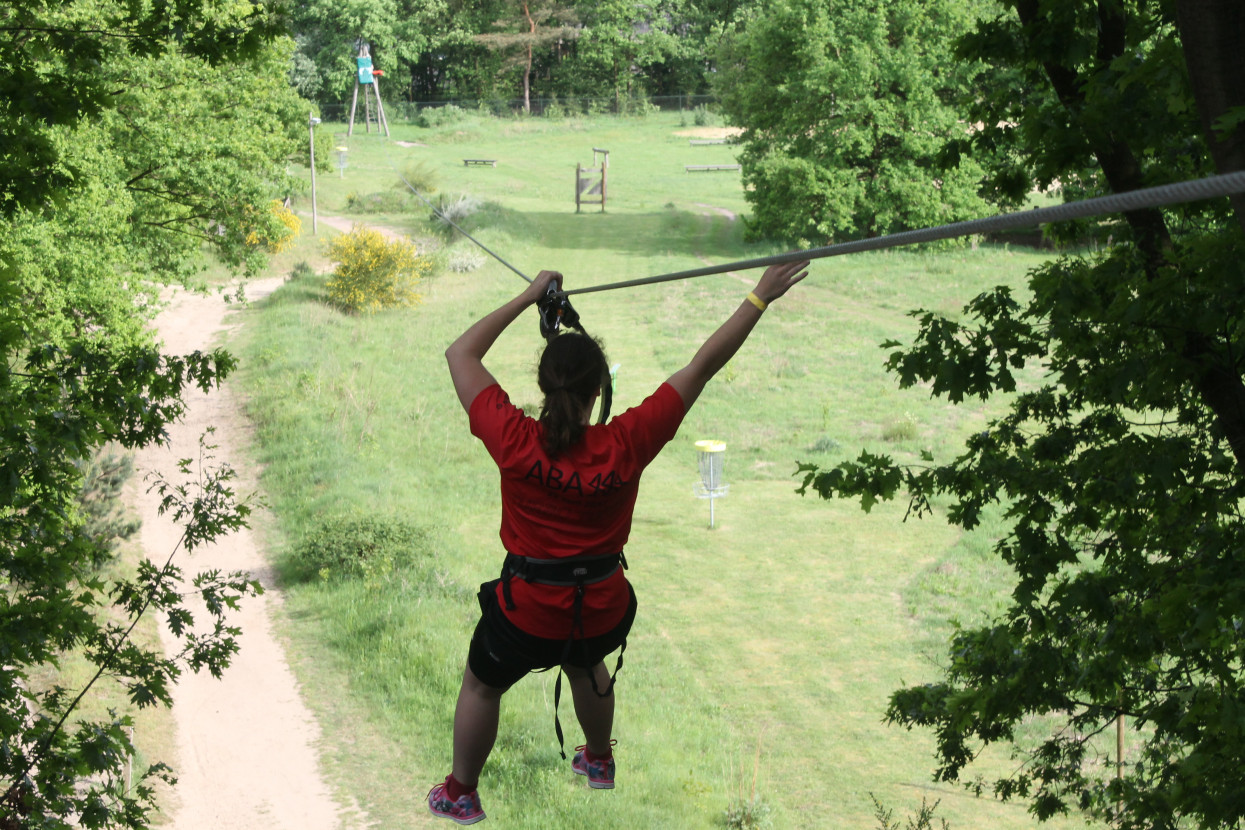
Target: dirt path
x=345, y=226
x=246, y=744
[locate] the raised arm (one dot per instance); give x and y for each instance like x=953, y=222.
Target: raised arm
x=723, y=343
x=466, y=354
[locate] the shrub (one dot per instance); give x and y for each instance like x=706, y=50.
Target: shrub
x=924, y=819
x=455, y=208
x=462, y=259
x=555, y=109
x=752, y=814
x=374, y=273
x=901, y=429
x=702, y=116
x=420, y=176
x=637, y=106
x=440, y=116
x=275, y=229
x=388, y=201
x=347, y=547
x=301, y=271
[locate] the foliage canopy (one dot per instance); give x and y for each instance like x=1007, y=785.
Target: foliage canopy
x=1120, y=470
x=845, y=111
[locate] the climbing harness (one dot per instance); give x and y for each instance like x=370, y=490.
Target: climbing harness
x=579, y=572
x=556, y=311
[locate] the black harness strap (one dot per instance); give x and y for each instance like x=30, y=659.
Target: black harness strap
x=577, y=571
x=566, y=572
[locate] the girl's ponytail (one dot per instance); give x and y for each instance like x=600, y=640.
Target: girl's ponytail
x=570, y=373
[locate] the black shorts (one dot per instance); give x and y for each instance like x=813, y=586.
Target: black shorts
x=501, y=653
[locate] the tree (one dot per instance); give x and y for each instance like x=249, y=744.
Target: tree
x=127, y=156
x=1121, y=472
x=628, y=50
x=845, y=112
x=524, y=27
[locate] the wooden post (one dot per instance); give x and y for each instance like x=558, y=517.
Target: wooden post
x=354, y=100
x=311, y=128
x=382, y=121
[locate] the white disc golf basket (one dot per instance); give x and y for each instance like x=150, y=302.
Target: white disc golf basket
x=711, y=454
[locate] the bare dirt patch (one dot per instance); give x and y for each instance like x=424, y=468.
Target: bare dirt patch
x=710, y=132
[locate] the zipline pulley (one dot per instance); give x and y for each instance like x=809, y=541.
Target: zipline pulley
x=556, y=311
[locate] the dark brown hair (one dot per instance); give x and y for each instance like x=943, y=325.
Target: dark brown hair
x=570, y=373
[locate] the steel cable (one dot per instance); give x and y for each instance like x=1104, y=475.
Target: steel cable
x=1150, y=197
x=452, y=224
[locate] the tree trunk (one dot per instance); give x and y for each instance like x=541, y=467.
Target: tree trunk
x=527, y=70
x=1211, y=372
x=1212, y=33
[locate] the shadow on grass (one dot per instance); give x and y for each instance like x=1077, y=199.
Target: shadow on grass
x=670, y=232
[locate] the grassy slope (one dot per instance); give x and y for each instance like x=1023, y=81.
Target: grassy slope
x=785, y=627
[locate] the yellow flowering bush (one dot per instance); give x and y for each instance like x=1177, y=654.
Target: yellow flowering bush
x=374, y=273
x=277, y=236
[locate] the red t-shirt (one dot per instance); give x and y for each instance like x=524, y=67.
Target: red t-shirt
x=579, y=503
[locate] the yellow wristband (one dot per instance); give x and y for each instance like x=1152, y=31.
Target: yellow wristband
x=757, y=301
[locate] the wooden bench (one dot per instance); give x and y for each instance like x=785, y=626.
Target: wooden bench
x=701, y=142
x=692, y=168
x=489, y=162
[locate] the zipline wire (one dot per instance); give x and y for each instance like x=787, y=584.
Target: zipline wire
x=451, y=223
x=1150, y=197
x=1168, y=194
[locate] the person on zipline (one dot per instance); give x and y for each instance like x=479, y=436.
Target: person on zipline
x=568, y=490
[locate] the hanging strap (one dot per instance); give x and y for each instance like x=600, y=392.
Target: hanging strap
x=577, y=625
x=577, y=571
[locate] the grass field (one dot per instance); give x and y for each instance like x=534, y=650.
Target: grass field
x=765, y=649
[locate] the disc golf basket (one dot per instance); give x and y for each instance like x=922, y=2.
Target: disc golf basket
x=711, y=454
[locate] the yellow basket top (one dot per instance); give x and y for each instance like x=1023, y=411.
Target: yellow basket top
x=710, y=445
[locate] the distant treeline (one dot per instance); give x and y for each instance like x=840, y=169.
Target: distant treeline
x=525, y=54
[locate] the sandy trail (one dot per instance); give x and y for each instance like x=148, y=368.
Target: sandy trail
x=246, y=744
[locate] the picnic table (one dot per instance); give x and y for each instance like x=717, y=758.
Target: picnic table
x=692, y=168
x=489, y=162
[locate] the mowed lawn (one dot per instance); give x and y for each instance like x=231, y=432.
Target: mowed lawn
x=758, y=672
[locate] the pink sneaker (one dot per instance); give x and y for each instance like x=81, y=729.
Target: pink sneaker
x=466, y=810
x=600, y=773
